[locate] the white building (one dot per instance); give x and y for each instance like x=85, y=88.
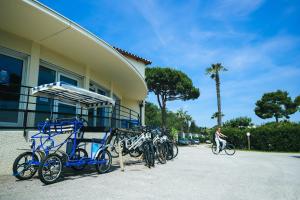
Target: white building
x=38, y=46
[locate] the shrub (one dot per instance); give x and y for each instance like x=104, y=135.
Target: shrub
x=284, y=136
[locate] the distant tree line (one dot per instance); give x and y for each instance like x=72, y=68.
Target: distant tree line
x=180, y=120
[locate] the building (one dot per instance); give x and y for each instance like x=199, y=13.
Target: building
x=38, y=46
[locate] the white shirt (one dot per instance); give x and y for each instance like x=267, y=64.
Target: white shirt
x=217, y=135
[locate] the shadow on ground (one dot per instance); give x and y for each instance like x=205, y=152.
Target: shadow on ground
x=295, y=156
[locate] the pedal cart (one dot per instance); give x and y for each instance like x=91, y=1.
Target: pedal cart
x=52, y=159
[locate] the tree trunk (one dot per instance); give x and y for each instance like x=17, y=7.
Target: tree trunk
x=218, y=99
x=162, y=104
x=163, y=115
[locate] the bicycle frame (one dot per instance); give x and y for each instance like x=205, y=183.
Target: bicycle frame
x=88, y=160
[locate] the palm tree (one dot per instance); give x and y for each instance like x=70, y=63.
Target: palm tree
x=216, y=114
x=181, y=115
x=213, y=72
x=188, y=119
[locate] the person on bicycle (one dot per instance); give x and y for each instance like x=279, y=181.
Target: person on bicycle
x=218, y=139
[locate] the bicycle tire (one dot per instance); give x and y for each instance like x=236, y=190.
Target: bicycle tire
x=161, y=153
x=135, y=153
x=101, y=168
x=19, y=175
x=146, y=154
x=44, y=166
x=230, y=149
x=175, y=150
x=114, y=147
x=170, y=153
x=152, y=154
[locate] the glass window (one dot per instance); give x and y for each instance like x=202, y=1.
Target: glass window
x=43, y=105
x=65, y=110
x=68, y=80
x=10, y=87
x=46, y=75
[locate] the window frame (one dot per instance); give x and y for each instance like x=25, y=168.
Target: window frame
x=22, y=99
x=64, y=72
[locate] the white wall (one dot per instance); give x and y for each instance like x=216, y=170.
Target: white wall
x=140, y=66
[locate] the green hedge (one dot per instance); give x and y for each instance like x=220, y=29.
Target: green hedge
x=282, y=136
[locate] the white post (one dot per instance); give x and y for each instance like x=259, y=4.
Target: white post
x=120, y=149
x=32, y=79
x=248, y=136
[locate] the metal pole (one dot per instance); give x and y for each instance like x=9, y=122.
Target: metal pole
x=121, y=156
x=248, y=137
x=26, y=115
x=249, y=142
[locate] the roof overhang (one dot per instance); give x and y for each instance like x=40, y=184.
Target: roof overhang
x=34, y=21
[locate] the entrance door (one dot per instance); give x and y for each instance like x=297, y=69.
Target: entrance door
x=98, y=117
x=11, y=70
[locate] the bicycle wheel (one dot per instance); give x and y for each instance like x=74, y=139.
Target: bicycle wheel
x=230, y=149
x=51, y=168
x=135, y=153
x=79, y=154
x=170, y=150
x=23, y=168
x=152, y=154
x=146, y=153
x=175, y=149
x=114, y=147
x=104, y=167
x=161, y=153
x=214, y=149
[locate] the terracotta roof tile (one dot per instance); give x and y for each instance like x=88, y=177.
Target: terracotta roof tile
x=131, y=55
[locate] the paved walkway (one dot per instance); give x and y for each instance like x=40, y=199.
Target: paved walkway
x=195, y=174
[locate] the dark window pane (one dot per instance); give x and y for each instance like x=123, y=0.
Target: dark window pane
x=91, y=117
x=10, y=87
x=68, y=80
x=46, y=75
x=66, y=111
x=101, y=117
x=43, y=106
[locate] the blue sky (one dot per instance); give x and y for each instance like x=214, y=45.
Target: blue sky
x=257, y=40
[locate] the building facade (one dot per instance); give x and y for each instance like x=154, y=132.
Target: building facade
x=39, y=46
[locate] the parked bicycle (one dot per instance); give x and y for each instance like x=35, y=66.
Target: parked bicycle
x=148, y=142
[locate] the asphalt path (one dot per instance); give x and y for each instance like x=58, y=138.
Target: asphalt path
x=195, y=174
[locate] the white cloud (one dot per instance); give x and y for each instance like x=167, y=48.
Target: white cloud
x=233, y=9
x=155, y=17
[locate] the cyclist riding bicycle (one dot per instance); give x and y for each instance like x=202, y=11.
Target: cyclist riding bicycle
x=218, y=139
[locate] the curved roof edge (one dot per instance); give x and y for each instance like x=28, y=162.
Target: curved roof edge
x=85, y=32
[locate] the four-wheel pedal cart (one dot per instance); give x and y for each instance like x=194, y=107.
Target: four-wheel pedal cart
x=49, y=154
